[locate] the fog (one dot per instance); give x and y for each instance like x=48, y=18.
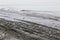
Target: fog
x=42, y=5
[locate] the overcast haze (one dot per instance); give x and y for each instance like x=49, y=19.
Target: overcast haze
x=45, y=5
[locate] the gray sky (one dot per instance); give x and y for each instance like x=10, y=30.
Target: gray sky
x=45, y=5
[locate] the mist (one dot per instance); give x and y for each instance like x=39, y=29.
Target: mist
x=41, y=5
